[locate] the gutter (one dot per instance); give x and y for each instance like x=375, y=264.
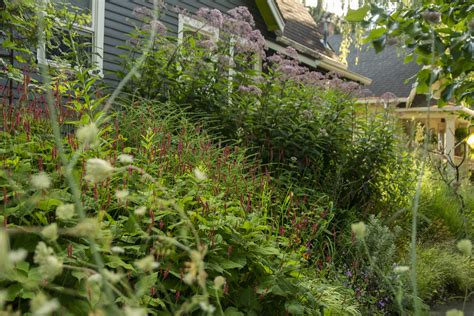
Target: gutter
x=326, y=62
x=378, y=100
x=447, y=108
x=301, y=58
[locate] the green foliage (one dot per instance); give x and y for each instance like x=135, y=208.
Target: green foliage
x=441, y=209
x=262, y=274
x=300, y=124
x=372, y=279
x=442, y=273
x=447, y=26
x=209, y=189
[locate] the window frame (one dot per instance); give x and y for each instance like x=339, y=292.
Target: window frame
x=96, y=30
x=186, y=23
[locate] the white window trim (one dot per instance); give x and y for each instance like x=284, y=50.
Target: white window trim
x=97, y=31
x=188, y=23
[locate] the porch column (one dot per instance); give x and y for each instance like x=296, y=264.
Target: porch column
x=450, y=140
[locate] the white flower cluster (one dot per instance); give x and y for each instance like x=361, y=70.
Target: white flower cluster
x=65, y=211
x=88, y=135
x=359, y=229
x=40, y=181
x=147, y=263
x=97, y=170
x=50, y=265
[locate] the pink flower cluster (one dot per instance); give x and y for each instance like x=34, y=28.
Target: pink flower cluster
x=237, y=23
x=214, y=17
x=287, y=67
x=251, y=89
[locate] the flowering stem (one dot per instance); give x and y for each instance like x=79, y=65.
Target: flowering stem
x=76, y=193
x=384, y=277
x=416, y=201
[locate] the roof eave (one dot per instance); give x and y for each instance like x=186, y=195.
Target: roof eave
x=274, y=21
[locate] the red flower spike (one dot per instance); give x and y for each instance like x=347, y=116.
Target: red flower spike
x=69, y=251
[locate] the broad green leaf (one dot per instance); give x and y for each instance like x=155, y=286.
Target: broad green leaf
x=47, y=204
x=408, y=58
x=232, y=311
x=145, y=283
x=235, y=263
x=375, y=34
x=115, y=262
x=295, y=308
x=357, y=15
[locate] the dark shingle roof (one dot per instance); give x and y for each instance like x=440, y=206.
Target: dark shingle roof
x=386, y=69
x=301, y=27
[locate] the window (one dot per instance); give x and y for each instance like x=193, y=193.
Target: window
x=89, y=34
x=189, y=27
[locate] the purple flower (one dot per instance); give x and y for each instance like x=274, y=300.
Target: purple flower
x=290, y=51
x=208, y=44
x=242, y=14
x=275, y=59
x=251, y=89
x=214, y=17
x=142, y=13
x=432, y=17
x=158, y=27
x=226, y=61
x=388, y=97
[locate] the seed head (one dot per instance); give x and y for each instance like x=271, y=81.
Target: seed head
x=465, y=246
x=401, y=269
x=40, y=181
x=65, y=211
x=121, y=195
x=18, y=255
x=359, y=229
x=97, y=170
x=147, y=264
x=140, y=211
x=219, y=282
x=88, y=134
x=50, y=232
x=124, y=158
x=200, y=175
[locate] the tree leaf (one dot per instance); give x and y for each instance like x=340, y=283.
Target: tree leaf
x=375, y=34
x=357, y=15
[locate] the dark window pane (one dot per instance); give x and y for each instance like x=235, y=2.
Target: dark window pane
x=60, y=47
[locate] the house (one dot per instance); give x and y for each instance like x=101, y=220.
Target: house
x=282, y=22
x=393, y=83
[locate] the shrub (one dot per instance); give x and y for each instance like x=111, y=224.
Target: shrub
x=372, y=280
x=301, y=124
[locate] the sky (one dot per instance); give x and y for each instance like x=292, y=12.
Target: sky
x=334, y=6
